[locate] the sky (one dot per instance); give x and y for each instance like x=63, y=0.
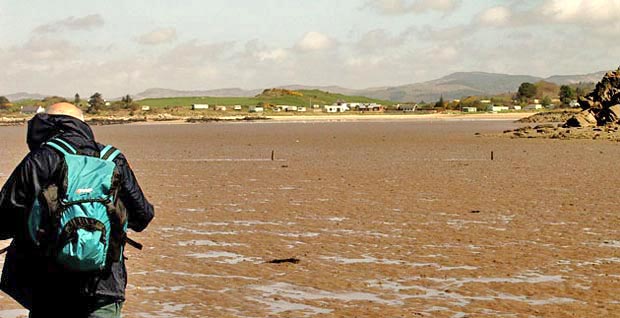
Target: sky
x=119, y=47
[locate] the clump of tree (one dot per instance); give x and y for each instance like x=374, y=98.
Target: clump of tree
x=526, y=92
x=544, y=88
x=582, y=89
x=453, y=105
x=546, y=101
x=4, y=102
x=470, y=101
x=566, y=94
x=502, y=100
x=440, y=104
x=96, y=103
x=128, y=103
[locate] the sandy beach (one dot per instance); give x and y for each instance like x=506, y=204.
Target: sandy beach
x=387, y=218
x=403, y=117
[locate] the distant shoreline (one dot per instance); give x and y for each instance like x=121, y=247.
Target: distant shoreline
x=402, y=117
x=292, y=119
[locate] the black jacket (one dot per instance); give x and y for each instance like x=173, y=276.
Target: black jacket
x=25, y=276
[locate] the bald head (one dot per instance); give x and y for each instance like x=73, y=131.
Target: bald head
x=65, y=109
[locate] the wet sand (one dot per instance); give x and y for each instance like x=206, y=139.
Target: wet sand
x=388, y=219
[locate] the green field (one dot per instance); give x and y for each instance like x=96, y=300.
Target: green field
x=309, y=98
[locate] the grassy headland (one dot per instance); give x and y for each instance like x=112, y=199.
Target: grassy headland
x=305, y=98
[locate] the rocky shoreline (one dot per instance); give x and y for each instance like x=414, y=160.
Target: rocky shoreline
x=599, y=117
x=552, y=131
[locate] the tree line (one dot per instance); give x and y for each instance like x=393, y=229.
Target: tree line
x=93, y=105
x=544, y=92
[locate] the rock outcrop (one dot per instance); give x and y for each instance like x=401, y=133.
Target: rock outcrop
x=602, y=106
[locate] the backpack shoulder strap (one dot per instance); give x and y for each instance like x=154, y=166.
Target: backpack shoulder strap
x=109, y=153
x=62, y=146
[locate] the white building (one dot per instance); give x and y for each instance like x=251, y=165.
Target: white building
x=470, y=109
x=220, y=108
x=256, y=109
x=200, y=106
x=287, y=108
x=407, y=108
x=495, y=108
x=32, y=109
x=372, y=107
x=146, y=108
x=336, y=108
x=237, y=107
x=533, y=107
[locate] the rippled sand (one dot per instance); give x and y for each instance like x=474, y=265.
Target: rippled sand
x=388, y=219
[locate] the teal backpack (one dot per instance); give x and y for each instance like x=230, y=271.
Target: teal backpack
x=78, y=222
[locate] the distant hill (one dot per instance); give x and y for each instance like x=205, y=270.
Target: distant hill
x=272, y=96
x=331, y=89
x=456, y=85
x=23, y=95
x=574, y=79
x=224, y=92
x=453, y=86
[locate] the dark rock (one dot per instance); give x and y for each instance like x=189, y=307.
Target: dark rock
x=284, y=260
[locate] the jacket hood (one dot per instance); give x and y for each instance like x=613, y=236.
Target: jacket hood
x=42, y=127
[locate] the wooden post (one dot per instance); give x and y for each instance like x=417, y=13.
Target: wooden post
x=491, y=155
x=273, y=155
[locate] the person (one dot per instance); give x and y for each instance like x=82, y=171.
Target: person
x=32, y=279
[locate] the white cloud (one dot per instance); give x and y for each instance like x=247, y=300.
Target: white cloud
x=315, y=41
x=413, y=6
x=581, y=11
x=194, y=53
x=556, y=39
x=380, y=39
x=495, y=16
x=87, y=22
x=446, y=34
x=275, y=54
x=159, y=36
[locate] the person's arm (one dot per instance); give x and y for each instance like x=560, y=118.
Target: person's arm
x=139, y=211
x=19, y=191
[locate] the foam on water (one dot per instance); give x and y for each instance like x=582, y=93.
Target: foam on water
x=207, y=243
x=303, y=234
x=213, y=223
x=198, y=232
x=446, y=289
x=226, y=257
x=178, y=273
x=279, y=306
x=167, y=310
x=610, y=243
x=254, y=222
x=336, y=219
x=367, y=259
x=192, y=210
x=308, y=293
x=600, y=261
